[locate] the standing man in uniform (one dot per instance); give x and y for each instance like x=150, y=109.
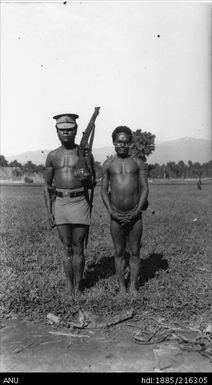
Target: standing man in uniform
x=124, y=191
x=67, y=200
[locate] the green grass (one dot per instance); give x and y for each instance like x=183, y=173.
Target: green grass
x=176, y=257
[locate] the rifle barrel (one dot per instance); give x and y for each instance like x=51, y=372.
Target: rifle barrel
x=89, y=127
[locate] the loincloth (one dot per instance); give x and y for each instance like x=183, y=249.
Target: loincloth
x=73, y=210
x=125, y=213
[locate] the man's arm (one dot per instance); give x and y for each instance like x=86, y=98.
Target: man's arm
x=143, y=183
x=105, y=186
x=49, y=190
x=143, y=192
x=105, y=192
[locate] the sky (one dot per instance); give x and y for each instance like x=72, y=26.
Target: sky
x=146, y=64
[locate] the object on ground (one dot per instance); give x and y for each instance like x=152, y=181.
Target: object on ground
x=89, y=320
x=208, y=329
x=53, y=318
x=188, y=338
x=69, y=334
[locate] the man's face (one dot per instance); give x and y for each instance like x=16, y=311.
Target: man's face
x=67, y=135
x=122, y=144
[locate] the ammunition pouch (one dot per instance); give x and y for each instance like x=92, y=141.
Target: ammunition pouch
x=83, y=174
x=83, y=171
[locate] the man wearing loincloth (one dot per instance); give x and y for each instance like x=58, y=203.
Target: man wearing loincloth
x=67, y=200
x=124, y=191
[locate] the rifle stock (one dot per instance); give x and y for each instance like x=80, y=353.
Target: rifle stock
x=83, y=168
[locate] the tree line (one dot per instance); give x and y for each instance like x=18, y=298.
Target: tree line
x=143, y=144
x=22, y=169
x=154, y=171
x=180, y=170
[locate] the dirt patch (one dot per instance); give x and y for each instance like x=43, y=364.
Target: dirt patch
x=38, y=347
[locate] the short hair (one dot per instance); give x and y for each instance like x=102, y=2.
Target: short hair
x=124, y=129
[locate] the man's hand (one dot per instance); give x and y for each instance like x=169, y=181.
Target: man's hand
x=115, y=216
x=133, y=214
x=51, y=219
x=124, y=218
x=49, y=197
x=121, y=218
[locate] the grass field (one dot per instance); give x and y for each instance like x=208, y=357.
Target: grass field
x=176, y=257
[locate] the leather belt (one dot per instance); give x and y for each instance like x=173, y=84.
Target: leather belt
x=69, y=194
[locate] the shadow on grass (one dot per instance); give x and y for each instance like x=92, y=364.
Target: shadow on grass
x=150, y=266
x=104, y=268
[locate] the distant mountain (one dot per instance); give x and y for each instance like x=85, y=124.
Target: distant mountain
x=36, y=157
x=39, y=157
x=196, y=150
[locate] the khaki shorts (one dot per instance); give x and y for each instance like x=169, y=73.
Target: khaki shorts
x=72, y=210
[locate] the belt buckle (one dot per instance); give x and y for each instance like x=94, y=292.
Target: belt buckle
x=66, y=194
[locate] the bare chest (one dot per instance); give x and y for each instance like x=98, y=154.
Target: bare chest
x=67, y=160
x=124, y=168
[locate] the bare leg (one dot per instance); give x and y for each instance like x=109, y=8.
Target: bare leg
x=78, y=261
x=119, y=241
x=65, y=234
x=134, y=239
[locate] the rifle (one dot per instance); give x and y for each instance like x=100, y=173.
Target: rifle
x=83, y=169
x=84, y=165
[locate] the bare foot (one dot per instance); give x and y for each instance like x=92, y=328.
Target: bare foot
x=67, y=297
x=77, y=293
x=133, y=291
x=69, y=292
x=69, y=287
x=122, y=291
